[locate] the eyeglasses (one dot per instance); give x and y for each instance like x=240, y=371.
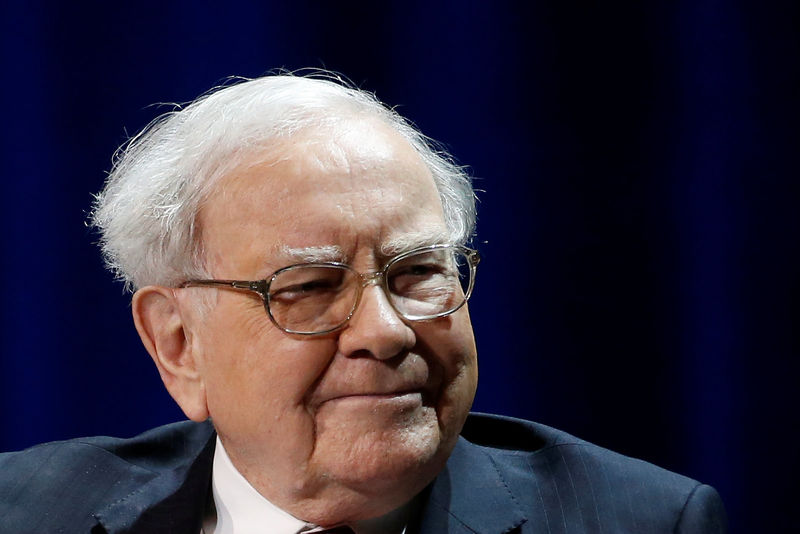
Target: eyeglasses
x=319, y=298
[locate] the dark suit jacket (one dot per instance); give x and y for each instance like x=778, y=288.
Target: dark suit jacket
x=505, y=475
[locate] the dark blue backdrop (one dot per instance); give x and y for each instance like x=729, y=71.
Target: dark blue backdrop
x=638, y=219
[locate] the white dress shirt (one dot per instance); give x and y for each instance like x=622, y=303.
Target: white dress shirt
x=240, y=509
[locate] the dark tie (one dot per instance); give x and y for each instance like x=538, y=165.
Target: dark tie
x=338, y=530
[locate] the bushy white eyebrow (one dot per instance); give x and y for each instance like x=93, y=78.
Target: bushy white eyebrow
x=314, y=254
x=403, y=243
x=392, y=247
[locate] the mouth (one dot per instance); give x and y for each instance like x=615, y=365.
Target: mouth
x=376, y=398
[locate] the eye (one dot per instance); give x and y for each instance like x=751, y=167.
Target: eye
x=311, y=282
x=420, y=270
x=419, y=278
x=306, y=288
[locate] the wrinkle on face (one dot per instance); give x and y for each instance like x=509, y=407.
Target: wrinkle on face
x=312, y=422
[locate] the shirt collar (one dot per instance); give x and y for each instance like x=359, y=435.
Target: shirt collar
x=240, y=509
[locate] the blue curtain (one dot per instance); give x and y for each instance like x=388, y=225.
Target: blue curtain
x=638, y=212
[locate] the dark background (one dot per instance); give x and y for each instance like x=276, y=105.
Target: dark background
x=638, y=214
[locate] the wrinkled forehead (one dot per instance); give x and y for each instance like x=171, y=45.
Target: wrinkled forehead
x=361, y=169
x=363, y=147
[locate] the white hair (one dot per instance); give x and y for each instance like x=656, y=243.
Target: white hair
x=147, y=213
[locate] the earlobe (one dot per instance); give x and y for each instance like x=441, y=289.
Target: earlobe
x=165, y=334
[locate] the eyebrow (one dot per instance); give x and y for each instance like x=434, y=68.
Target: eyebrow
x=313, y=254
x=392, y=247
x=403, y=243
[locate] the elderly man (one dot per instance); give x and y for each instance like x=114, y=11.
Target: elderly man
x=298, y=256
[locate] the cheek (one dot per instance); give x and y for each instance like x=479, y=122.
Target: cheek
x=254, y=374
x=456, y=344
x=452, y=349
x=256, y=398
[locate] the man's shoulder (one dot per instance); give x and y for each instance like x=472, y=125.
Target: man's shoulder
x=554, y=476
x=156, y=449
x=79, y=477
x=511, y=441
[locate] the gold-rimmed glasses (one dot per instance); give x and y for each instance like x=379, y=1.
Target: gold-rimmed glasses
x=318, y=298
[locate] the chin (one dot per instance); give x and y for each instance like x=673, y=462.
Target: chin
x=370, y=459
x=367, y=469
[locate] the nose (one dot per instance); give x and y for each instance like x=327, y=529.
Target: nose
x=376, y=329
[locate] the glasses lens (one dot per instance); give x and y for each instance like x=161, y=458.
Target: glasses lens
x=429, y=283
x=312, y=298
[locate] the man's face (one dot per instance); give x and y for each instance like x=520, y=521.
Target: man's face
x=362, y=418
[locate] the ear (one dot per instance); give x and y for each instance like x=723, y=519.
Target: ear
x=167, y=337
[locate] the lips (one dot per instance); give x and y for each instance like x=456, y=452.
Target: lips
x=374, y=394
x=368, y=379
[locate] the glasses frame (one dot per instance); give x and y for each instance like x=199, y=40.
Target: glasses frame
x=261, y=287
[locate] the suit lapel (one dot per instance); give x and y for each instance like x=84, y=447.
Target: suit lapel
x=469, y=496
x=173, y=501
